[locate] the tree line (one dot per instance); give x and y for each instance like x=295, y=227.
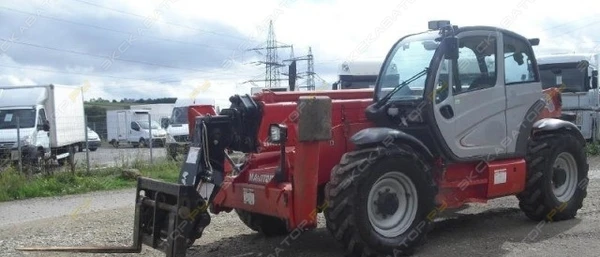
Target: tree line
x=163, y=100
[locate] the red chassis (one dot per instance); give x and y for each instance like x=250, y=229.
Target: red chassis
x=297, y=201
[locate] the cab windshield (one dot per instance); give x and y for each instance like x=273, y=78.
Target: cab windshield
x=568, y=75
x=17, y=118
x=409, y=57
x=144, y=125
x=179, y=115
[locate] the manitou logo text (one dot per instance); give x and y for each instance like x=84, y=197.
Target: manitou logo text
x=260, y=178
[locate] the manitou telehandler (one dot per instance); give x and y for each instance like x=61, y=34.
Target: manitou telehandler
x=453, y=127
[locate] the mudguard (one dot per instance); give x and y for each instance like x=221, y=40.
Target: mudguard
x=553, y=124
x=386, y=136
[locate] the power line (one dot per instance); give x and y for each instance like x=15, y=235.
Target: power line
x=164, y=22
x=97, y=56
x=69, y=72
x=112, y=30
x=578, y=28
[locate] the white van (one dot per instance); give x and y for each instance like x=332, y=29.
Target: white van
x=132, y=127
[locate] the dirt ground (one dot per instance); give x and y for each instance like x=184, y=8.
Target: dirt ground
x=496, y=229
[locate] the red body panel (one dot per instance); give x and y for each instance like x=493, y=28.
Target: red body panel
x=309, y=164
x=480, y=181
x=198, y=110
x=553, y=103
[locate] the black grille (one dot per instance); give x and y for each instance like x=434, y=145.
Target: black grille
x=182, y=138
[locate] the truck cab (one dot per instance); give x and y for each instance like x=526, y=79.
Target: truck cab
x=576, y=75
x=357, y=74
x=177, y=127
x=27, y=124
x=361, y=74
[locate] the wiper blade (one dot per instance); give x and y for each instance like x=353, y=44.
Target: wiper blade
x=389, y=95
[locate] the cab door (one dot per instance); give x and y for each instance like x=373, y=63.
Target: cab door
x=42, y=137
x=471, y=113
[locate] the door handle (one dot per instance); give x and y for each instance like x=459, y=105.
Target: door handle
x=446, y=111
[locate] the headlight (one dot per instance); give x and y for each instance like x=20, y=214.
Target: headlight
x=277, y=133
x=578, y=118
x=26, y=140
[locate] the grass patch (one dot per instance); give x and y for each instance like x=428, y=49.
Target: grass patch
x=15, y=185
x=593, y=149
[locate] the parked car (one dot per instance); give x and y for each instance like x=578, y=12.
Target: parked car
x=94, y=140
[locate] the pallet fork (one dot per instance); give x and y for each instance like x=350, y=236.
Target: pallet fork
x=167, y=215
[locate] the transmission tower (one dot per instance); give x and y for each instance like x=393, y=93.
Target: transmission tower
x=310, y=70
x=271, y=62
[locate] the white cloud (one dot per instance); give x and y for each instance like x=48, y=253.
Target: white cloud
x=336, y=30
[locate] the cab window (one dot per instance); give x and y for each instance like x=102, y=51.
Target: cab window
x=476, y=67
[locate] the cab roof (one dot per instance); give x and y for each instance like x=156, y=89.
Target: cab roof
x=565, y=58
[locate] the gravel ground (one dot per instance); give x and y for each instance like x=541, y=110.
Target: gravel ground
x=496, y=229
x=110, y=156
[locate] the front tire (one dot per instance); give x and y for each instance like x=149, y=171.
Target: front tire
x=557, y=178
x=379, y=201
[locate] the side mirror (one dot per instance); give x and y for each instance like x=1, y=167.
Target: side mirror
x=46, y=126
x=450, y=45
x=334, y=86
x=164, y=122
x=595, y=79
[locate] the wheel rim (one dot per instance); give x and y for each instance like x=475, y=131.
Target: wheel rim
x=392, y=204
x=564, y=177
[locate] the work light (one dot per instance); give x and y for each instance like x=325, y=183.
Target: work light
x=277, y=133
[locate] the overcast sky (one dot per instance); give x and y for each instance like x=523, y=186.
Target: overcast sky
x=173, y=48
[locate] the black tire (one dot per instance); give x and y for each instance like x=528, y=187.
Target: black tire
x=538, y=201
x=347, y=195
x=93, y=149
x=142, y=143
x=267, y=225
x=37, y=164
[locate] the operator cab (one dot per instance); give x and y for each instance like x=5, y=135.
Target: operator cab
x=448, y=86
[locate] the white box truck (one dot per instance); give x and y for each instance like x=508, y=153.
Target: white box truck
x=132, y=127
x=45, y=121
x=159, y=112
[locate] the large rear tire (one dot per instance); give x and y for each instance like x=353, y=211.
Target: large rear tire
x=379, y=201
x=557, y=178
x=267, y=225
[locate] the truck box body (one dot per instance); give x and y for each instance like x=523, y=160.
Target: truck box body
x=118, y=122
x=158, y=111
x=63, y=107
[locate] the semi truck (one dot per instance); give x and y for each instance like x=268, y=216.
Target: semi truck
x=362, y=74
x=133, y=127
x=577, y=77
x=44, y=122
x=357, y=74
